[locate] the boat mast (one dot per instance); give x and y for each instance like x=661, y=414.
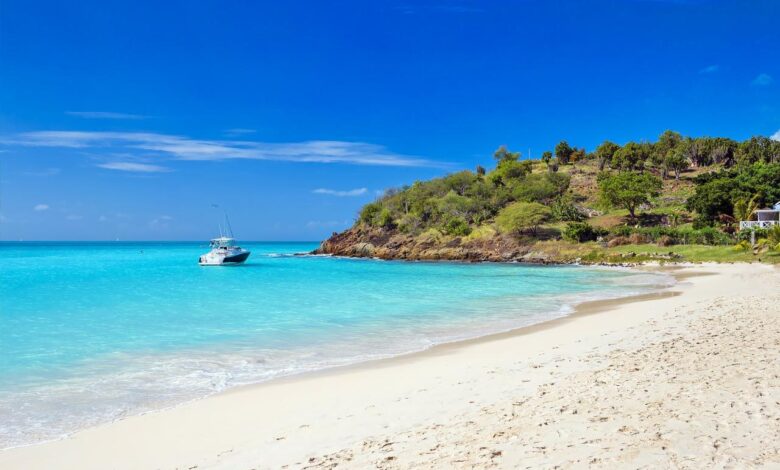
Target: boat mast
x=229, y=228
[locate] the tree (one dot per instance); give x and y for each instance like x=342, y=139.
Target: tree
x=563, y=152
x=541, y=187
x=480, y=170
x=744, y=208
x=605, y=152
x=370, y=213
x=666, y=143
x=460, y=182
x=508, y=170
x=577, y=154
x=716, y=193
x=631, y=156
x=677, y=161
x=520, y=216
x=547, y=157
x=503, y=154
x=628, y=190
x=758, y=149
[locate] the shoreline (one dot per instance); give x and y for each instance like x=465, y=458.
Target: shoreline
x=36, y=454
x=655, y=290
x=659, y=290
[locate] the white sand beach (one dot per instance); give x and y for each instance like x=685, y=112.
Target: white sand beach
x=685, y=379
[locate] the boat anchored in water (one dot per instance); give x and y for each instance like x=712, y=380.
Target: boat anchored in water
x=224, y=252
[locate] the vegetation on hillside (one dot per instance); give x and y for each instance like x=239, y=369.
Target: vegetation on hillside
x=674, y=191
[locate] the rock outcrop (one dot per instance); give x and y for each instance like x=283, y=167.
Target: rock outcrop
x=372, y=242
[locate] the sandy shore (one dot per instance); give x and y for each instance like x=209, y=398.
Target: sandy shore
x=689, y=380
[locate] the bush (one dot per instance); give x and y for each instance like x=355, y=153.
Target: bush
x=676, y=236
x=540, y=187
x=581, y=232
x=665, y=240
x=617, y=241
x=563, y=210
x=745, y=235
x=384, y=219
x=370, y=212
x=456, y=226
x=520, y=216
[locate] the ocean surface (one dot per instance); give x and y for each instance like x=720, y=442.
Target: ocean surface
x=92, y=332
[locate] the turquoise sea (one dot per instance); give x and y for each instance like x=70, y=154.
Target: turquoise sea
x=92, y=332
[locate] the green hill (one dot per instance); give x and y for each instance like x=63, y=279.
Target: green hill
x=679, y=198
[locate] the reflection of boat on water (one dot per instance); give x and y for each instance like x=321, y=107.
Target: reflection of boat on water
x=224, y=250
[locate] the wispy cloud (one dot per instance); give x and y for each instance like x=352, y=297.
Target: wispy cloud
x=762, y=79
x=710, y=69
x=135, y=167
x=347, y=193
x=74, y=217
x=185, y=148
x=41, y=207
x=44, y=172
x=104, y=115
x=239, y=131
x=776, y=136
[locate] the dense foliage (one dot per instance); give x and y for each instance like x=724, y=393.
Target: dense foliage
x=642, y=183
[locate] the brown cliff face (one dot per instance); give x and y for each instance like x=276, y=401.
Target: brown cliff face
x=371, y=242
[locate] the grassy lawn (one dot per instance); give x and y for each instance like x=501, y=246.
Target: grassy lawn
x=698, y=253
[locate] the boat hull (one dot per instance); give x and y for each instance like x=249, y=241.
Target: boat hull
x=210, y=260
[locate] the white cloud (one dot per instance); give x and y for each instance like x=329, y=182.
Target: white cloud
x=776, y=136
x=347, y=193
x=41, y=207
x=185, y=148
x=136, y=167
x=763, y=79
x=710, y=69
x=44, y=172
x=104, y=115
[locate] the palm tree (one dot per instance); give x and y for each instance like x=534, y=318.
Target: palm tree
x=744, y=208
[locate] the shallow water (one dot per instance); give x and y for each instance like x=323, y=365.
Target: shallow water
x=91, y=332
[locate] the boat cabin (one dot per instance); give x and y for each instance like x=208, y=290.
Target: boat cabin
x=222, y=242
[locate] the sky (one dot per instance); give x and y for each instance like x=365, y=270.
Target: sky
x=131, y=120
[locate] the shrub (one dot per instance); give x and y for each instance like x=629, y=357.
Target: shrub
x=617, y=241
x=520, y=216
x=384, y=219
x=581, y=232
x=745, y=235
x=456, y=226
x=665, y=240
x=536, y=187
x=563, y=210
x=637, y=238
x=370, y=212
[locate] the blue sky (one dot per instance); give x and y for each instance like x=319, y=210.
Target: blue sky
x=130, y=119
